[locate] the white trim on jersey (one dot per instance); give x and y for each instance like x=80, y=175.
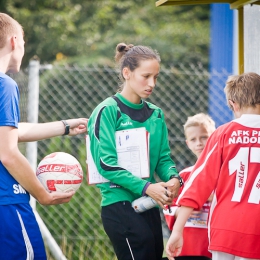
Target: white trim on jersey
x=189, y=169
x=28, y=245
x=248, y=120
x=217, y=255
x=214, y=202
x=196, y=173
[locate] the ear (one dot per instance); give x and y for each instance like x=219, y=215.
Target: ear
x=187, y=143
x=126, y=73
x=13, y=42
x=234, y=105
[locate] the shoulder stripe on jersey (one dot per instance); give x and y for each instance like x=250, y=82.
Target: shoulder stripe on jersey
x=141, y=117
x=189, y=169
x=118, y=115
x=97, y=123
x=107, y=167
x=195, y=174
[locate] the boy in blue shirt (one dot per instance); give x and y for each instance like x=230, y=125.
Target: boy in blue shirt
x=20, y=236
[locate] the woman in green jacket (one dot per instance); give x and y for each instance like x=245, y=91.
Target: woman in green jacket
x=133, y=235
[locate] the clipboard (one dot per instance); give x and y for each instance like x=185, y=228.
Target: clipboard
x=132, y=146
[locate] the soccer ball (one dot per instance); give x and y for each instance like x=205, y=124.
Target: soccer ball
x=60, y=172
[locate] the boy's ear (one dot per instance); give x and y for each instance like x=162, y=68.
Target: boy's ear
x=234, y=105
x=13, y=42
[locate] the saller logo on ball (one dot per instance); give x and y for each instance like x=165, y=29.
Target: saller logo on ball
x=60, y=172
x=51, y=168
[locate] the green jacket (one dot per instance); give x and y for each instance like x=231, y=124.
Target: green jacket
x=116, y=113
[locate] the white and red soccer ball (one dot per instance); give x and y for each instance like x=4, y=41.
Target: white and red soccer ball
x=60, y=172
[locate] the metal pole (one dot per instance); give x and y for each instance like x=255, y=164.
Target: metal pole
x=32, y=114
x=52, y=245
x=241, y=40
x=31, y=151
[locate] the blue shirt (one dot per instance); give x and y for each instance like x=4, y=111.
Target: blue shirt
x=11, y=192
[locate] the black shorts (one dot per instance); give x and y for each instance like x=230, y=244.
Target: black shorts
x=133, y=235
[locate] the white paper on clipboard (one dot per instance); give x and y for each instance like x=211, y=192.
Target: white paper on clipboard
x=94, y=177
x=132, y=147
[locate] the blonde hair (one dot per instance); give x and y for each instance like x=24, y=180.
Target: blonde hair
x=243, y=89
x=8, y=26
x=200, y=119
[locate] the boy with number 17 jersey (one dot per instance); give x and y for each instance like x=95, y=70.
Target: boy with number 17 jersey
x=229, y=165
x=232, y=157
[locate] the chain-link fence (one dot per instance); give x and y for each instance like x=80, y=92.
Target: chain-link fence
x=71, y=92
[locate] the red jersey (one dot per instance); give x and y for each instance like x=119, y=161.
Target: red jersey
x=195, y=233
x=230, y=166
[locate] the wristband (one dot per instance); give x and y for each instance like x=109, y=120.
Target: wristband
x=179, y=178
x=67, y=127
x=145, y=188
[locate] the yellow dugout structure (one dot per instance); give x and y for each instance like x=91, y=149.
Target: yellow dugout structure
x=248, y=24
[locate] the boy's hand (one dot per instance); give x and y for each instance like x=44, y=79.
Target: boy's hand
x=174, y=245
x=56, y=197
x=77, y=126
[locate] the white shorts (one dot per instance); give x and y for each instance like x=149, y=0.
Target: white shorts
x=216, y=255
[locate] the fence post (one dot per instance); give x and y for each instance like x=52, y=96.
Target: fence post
x=32, y=113
x=31, y=151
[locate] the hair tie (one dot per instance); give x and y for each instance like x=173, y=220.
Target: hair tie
x=121, y=48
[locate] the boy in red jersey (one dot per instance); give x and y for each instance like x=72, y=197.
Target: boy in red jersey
x=197, y=130
x=230, y=166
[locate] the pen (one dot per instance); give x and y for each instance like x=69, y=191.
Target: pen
x=169, y=207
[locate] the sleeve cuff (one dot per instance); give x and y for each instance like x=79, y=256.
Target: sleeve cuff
x=145, y=188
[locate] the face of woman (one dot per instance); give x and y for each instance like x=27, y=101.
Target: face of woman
x=140, y=82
